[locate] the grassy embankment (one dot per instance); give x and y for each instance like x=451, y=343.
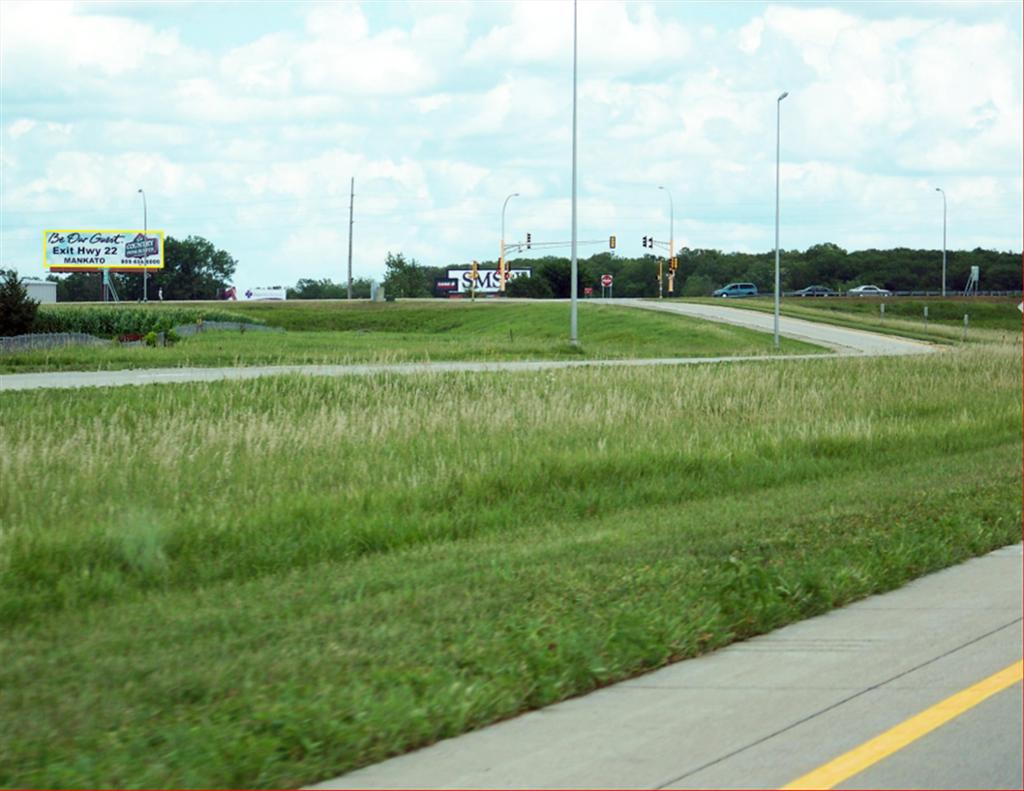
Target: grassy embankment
x=405, y=331
x=270, y=582
x=991, y=319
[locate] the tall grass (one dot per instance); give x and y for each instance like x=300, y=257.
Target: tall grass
x=266, y=582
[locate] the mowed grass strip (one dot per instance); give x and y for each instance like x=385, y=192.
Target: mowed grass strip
x=407, y=331
x=267, y=583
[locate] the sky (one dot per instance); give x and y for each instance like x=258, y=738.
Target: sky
x=244, y=123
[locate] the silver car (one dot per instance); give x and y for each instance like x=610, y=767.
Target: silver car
x=869, y=291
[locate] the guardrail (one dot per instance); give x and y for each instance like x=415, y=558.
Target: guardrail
x=908, y=294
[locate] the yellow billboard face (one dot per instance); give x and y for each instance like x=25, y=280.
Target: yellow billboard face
x=127, y=251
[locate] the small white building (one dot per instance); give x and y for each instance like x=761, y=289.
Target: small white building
x=44, y=291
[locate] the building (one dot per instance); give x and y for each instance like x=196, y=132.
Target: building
x=44, y=291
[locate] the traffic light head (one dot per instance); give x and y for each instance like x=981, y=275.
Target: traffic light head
x=611, y=242
x=645, y=241
x=529, y=239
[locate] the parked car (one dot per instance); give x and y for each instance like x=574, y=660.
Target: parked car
x=816, y=291
x=736, y=290
x=869, y=291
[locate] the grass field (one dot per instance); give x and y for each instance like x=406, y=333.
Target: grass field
x=334, y=332
x=266, y=583
x=991, y=319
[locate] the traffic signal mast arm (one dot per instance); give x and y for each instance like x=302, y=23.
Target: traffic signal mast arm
x=520, y=246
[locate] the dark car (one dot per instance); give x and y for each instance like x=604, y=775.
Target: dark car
x=736, y=290
x=816, y=291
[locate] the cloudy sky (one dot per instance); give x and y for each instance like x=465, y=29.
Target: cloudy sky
x=245, y=121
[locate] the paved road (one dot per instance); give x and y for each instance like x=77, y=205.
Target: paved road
x=762, y=713
x=841, y=341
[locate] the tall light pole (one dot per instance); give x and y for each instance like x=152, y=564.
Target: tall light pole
x=939, y=189
x=573, y=335
x=671, y=235
x=145, y=231
x=778, y=134
x=351, y=203
x=501, y=259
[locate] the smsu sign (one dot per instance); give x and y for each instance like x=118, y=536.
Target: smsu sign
x=88, y=250
x=487, y=279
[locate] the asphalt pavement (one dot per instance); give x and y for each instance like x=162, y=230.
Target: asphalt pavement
x=768, y=711
x=840, y=339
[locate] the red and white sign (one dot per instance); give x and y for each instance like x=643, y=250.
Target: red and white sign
x=606, y=280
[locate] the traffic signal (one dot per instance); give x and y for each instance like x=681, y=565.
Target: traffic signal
x=675, y=264
x=611, y=242
x=645, y=241
x=529, y=238
x=473, y=272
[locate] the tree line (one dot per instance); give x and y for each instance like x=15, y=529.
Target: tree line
x=195, y=269
x=701, y=270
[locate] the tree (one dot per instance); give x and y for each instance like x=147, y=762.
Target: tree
x=534, y=287
x=81, y=286
x=405, y=278
x=17, y=309
x=308, y=288
x=193, y=269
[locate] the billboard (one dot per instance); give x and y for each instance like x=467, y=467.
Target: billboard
x=487, y=282
x=262, y=293
x=86, y=250
x=445, y=286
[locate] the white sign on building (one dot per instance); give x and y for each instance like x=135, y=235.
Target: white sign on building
x=487, y=282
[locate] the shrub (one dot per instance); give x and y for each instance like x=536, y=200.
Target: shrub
x=17, y=309
x=529, y=287
x=114, y=320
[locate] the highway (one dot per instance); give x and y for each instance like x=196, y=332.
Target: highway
x=882, y=693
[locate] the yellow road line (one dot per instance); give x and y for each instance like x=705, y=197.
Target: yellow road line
x=871, y=752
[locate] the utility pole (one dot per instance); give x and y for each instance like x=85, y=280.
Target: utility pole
x=939, y=189
x=351, y=202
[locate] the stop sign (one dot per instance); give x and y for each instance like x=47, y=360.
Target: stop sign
x=606, y=280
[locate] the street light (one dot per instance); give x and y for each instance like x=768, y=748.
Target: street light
x=145, y=231
x=778, y=134
x=501, y=260
x=671, y=237
x=939, y=189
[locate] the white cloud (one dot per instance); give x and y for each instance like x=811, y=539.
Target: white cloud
x=614, y=36
x=439, y=110
x=40, y=40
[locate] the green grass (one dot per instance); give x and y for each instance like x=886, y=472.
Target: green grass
x=266, y=583
x=340, y=333
x=991, y=319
